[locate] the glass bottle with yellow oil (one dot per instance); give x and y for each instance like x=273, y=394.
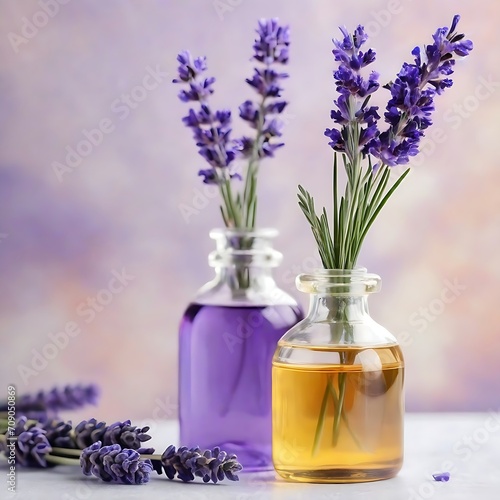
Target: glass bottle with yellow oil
x=338, y=402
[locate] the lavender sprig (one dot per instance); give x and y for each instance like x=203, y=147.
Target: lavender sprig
x=211, y=131
x=119, y=458
x=63, y=439
x=47, y=404
x=212, y=128
x=118, y=465
x=352, y=105
x=357, y=136
x=413, y=92
x=271, y=49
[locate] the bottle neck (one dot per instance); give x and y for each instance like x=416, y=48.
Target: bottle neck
x=243, y=261
x=241, y=277
x=338, y=312
x=329, y=308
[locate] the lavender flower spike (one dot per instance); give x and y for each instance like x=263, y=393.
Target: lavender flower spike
x=211, y=129
x=113, y=464
x=412, y=103
x=354, y=89
x=271, y=48
x=188, y=463
x=69, y=397
x=121, y=433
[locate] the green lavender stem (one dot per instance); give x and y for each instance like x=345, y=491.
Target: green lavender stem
x=338, y=327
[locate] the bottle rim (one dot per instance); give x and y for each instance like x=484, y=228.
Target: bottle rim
x=244, y=247
x=343, y=282
x=225, y=232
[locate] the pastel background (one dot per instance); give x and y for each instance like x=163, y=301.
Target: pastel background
x=64, y=233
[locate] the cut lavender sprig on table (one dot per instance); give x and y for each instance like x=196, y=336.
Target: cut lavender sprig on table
x=66, y=441
x=118, y=465
x=44, y=444
x=47, y=404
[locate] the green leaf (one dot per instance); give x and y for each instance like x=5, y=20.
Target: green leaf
x=383, y=202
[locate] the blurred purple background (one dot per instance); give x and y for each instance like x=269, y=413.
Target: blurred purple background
x=100, y=248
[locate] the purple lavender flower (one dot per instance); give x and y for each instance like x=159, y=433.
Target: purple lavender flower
x=188, y=463
x=113, y=464
x=352, y=105
x=59, y=433
x=442, y=476
x=211, y=129
x=272, y=44
x=190, y=68
x=121, y=433
x=44, y=405
x=412, y=95
x=271, y=48
x=31, y=444
x=267, y=82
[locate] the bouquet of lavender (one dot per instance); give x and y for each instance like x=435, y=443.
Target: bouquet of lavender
x=212, y=128
x=369, y=153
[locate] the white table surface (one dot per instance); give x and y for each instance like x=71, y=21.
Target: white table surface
x=465, y=444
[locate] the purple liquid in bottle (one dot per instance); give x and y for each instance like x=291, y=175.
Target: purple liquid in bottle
x=225, y=356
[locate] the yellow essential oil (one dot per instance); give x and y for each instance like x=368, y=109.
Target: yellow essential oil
x=339, y=422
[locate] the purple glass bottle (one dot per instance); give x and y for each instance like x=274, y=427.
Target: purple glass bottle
x=227, y=339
